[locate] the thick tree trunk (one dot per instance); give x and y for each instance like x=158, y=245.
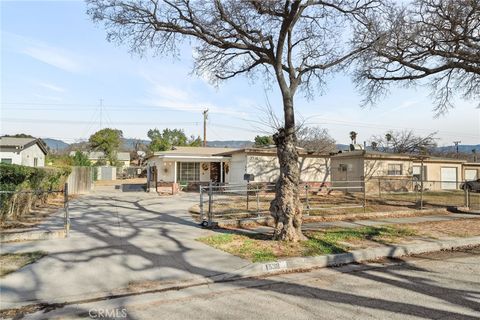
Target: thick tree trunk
x=286, y=208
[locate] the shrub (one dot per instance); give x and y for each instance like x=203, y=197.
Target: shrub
x=21, y=178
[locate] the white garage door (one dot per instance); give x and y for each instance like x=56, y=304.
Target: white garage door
x=449, y=178
x=471, y=174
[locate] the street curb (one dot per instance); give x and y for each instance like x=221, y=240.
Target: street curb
x=356, y=256
x=266, y=269
x=32, y=235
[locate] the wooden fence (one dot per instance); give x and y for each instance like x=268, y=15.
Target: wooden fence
x=80, y=180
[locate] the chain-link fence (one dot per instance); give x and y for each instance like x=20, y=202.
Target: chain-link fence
x=223, y=202
x=18, y=206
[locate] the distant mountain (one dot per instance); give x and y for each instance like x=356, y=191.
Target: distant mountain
x=128, y=144
x=462, y=148
x=230, y=144
x=56, y=145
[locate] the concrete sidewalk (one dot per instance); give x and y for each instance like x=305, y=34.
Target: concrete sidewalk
x=118, y=240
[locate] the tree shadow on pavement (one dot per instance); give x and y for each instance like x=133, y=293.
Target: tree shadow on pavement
x=116, y=233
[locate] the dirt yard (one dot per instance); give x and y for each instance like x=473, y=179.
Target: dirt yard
x=260, y=247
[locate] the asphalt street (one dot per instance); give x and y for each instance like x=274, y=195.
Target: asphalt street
x=444, y=285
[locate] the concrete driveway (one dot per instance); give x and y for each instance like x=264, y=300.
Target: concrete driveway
x=119, y=240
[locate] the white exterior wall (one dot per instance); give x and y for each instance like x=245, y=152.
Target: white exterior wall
x=25, y=156
x=14, y=155
x=30, y=153
x=238, y=167
x=315, y=169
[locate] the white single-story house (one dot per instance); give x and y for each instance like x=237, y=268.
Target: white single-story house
x=195, y=166
x=23, y=151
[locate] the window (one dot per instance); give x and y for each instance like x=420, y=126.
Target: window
x=35, y=162
x=417, y=172
x=394, y=169
x=7, y=160
x=188, y=171
x=342, y=167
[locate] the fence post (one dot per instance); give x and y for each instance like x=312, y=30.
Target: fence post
x=210, y=202
x=306, y=199
x=248, y=185
x=364, y=195
x=467, y=195
x=67, y=213
x=379, y=189
x=202, y=216
x=258, y=202
x=421, y=190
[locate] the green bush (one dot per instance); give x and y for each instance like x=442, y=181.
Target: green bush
x=21, y=178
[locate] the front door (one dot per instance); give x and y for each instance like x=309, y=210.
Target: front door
x=215, y=171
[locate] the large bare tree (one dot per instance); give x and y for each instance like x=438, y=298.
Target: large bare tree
x=296, y=44
x=405, y=141
x=437, y=41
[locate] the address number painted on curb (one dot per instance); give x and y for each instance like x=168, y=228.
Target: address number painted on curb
x=275, y=265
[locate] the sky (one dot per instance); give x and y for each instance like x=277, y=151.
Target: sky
x=61, y=79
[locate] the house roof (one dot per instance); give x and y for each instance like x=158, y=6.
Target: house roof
x=372, y=154
x=21, y=143
x=269, y=151
x=194, y=151
x=401, y=156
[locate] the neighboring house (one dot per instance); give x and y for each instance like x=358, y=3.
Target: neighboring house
x=349, y=168
x=23, y=151
x=94, y=156
x=399, y=172
x=200, y=165
x=471, y=170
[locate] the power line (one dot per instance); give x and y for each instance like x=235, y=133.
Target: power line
x=87, y=122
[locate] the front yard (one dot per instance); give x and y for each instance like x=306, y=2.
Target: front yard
x=10, y=262
x=260, y=247
x=230, y=206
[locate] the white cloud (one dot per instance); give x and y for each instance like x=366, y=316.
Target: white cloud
x=51, y=86
x=173, y=97
x=53, y=56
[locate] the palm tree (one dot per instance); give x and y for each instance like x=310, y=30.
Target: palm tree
x=388, y=137
x=353, y=137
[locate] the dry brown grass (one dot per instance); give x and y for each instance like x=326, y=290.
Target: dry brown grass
x=11, y=262
x=468, y=227
x=37, y=214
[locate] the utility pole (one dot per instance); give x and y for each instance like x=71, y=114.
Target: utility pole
x=456, y=146
x=205, y=117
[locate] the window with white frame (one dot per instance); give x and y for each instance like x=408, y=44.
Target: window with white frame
x=188, y=171
x=342, y=167
x=395, y=169
x=417, y=172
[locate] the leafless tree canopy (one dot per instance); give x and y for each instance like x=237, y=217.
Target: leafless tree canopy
x=316, y=139
x=303, y=39
x=434, y=39
x=404, y=142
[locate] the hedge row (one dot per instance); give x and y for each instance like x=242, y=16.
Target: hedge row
x=21, y=178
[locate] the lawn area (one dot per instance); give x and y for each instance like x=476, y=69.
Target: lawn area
x=11, y=262
x=260, y=248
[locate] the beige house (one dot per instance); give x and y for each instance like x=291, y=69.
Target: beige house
x=471, y=170
x=439, y=173
x=29, y=152
x=379, y=169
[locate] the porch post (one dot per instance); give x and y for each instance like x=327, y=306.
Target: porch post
x=221, y=172
x=175, y=172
